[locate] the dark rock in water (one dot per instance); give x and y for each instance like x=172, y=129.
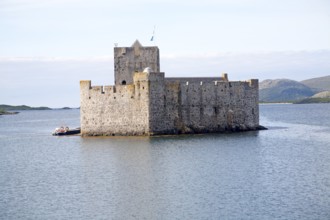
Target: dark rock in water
x=8, y=113
x=260, y=127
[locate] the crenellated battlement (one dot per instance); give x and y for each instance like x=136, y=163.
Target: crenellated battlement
x=144, y=76
x=191, y=81
x=144, y=102
x=254, y=83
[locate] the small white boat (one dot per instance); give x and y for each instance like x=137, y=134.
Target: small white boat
x=65, y=131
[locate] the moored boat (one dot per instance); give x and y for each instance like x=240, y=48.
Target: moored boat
x=65, y=131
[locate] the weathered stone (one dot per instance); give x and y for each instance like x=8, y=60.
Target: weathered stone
x=128, y=60
x=147, y=103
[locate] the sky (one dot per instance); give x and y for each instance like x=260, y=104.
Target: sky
x=47, y=47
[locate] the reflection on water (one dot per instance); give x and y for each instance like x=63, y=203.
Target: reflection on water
x=281, y=173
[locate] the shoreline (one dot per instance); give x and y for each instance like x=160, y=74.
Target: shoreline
x=8, y=113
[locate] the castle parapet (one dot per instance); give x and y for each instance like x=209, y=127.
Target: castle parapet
x=144, y=102
x=225, y=77
x=152, y=76
x=85, y=84
x=254, y=83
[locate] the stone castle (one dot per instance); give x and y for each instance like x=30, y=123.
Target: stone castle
x=145, y=102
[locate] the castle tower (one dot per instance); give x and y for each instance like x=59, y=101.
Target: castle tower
x=145, y=102
x=128, y=60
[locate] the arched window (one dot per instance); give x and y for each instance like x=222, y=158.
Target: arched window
x=123, y=82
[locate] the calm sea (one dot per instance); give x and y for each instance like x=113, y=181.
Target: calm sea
x=280, y=173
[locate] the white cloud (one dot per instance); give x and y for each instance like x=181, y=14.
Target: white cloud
x=16, y=5
x=50, y=82
x=43, y=80
x=56, y=59
x=89, y=28
x=296, y=65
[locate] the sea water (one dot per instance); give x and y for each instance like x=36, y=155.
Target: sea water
x=280, y=173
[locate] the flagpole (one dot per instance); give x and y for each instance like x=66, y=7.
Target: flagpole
x=153, y=37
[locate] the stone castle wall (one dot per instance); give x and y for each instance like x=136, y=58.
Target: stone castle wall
x=128, y=60
x=147, y=103
x=201, y=107
x=153, y=105
x=114, y=110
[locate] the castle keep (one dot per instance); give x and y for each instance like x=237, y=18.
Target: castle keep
x=144, y=102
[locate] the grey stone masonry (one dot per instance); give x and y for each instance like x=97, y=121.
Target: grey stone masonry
x=134, y=59
x=147, y=103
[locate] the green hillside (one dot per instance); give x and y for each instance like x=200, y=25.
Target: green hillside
x=21, y=107
x=283, y=90
x=318, y=84
x=321, y=97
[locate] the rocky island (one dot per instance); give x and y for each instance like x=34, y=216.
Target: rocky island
x=12, y=110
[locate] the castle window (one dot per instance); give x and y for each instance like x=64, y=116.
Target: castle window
x=123, y=82
x=215, y=109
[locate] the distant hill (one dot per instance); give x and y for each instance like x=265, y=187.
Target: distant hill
x=324, y=94
x=321, y=97
x=3, y=112
x=318, y=84
x=283, y=90
x=315, y=90
x=21, y=107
